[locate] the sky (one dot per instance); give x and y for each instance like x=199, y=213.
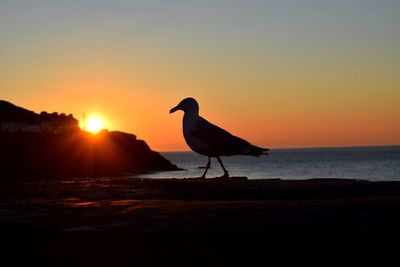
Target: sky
x=279, y=73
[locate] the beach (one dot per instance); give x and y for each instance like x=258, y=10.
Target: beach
x=211, y=222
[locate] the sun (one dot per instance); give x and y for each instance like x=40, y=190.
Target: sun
x=94, y=124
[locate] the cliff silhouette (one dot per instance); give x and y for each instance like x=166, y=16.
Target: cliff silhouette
x=53, y=146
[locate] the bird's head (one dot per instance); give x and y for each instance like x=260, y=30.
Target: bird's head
x=187, y=105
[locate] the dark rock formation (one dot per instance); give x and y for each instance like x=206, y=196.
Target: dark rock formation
x=18, y=119
x=71, y=153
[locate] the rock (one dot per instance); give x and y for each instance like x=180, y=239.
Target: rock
x=28, y=153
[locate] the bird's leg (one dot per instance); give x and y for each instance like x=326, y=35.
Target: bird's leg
x=226, y=174
x=208, y=166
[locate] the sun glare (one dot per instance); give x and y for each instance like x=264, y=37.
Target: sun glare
x=94, y=124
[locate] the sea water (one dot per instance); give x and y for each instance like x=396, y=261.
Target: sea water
x=369, y=163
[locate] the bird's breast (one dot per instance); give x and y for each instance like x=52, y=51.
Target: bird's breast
x=195, y=143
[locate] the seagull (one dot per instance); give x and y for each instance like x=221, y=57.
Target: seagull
x=210, y=140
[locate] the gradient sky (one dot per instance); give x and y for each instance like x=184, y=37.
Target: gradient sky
x=283, y=73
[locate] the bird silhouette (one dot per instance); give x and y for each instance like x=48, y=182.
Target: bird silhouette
x=210, y=140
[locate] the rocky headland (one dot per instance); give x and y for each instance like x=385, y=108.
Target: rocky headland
x=39, y=146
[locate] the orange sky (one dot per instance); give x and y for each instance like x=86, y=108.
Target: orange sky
x=284, y=75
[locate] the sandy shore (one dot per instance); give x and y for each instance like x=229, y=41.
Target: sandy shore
x=222, y=222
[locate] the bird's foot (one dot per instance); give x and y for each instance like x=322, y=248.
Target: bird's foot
x=226, y=175
x=199, y=177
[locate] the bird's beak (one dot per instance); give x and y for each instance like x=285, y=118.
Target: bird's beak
x=174, y=109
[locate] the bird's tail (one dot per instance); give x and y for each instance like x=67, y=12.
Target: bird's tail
x=258, y=151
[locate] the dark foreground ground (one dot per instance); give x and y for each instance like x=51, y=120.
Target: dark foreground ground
x=191, y=222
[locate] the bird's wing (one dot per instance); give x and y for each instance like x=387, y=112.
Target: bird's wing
x=221, y=141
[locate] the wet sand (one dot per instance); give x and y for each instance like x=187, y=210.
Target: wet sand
x=194, y=222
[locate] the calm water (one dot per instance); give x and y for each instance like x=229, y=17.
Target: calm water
x=370, y=163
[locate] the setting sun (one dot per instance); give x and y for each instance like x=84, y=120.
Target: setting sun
x=94, y=124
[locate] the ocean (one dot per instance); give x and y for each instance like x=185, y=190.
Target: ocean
x=366, y=163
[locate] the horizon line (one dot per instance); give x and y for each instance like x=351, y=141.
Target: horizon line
x=305, y=147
